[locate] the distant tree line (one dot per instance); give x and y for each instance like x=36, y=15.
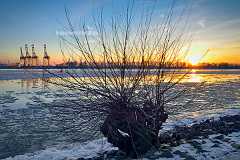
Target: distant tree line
x=152, y=65
x=216, y=66
x=79, y=65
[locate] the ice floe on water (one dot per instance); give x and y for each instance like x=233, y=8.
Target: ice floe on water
x=7, y=98
x=11, y=74
x=26, y=114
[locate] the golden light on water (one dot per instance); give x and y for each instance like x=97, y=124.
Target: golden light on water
x=194, y=77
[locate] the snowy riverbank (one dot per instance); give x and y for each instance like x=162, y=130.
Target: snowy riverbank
x=214, y=146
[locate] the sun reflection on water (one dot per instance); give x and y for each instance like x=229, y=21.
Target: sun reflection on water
x=194, y=77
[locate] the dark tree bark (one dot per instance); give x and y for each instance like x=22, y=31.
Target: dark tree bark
x=131, y=131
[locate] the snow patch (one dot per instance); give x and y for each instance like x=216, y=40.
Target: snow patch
x=198, y=118
x=74, y=151
x=123, y=133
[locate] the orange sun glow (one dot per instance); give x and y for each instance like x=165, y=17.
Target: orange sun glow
x=194, y=58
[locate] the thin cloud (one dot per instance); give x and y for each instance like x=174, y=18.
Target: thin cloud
x=224, y=25
x=202, y=23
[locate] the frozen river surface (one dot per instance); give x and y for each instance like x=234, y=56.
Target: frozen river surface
x=29, y=124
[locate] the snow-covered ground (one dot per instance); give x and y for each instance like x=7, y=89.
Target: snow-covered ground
x=190, y=118
x=217, y=146
x=70, y=152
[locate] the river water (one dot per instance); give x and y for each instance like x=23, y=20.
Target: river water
x=28, y=123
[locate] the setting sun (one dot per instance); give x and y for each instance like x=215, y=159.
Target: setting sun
x=194, y=58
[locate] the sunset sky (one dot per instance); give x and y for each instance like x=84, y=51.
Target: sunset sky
x=216, y=26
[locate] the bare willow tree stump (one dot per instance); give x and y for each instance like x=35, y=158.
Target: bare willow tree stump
x=132, y=130
x=130, y=70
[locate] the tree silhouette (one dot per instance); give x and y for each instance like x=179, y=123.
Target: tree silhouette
x=120, y=90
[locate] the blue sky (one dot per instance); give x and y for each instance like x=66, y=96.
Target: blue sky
x=216, y=23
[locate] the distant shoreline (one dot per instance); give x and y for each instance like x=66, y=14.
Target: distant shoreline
x=88, y=67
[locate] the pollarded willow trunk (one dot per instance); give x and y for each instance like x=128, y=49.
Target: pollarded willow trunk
x=133, y=130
